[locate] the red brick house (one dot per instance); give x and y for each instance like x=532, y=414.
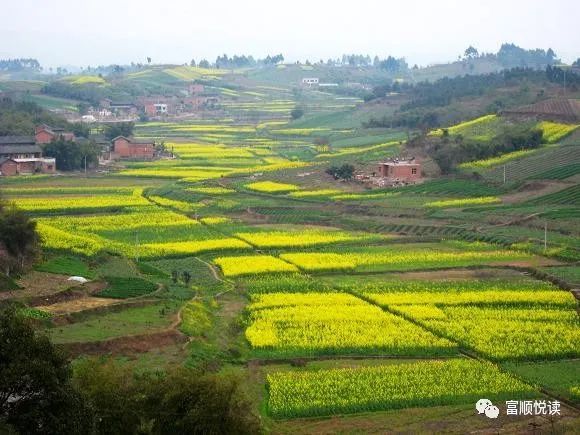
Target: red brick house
x=22, y=155
x=45, y=134
x=43, y=165
x=131, y=148
x=408, y=171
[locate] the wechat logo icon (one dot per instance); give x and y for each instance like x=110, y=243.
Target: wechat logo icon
x=484, y=406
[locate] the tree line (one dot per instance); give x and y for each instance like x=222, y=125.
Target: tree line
x=424, y=97
x=450, y=151
x=19, y=65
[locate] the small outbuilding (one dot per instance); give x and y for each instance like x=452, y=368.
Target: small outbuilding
x=401, y=170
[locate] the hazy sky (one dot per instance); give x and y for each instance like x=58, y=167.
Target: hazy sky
x=88, y=32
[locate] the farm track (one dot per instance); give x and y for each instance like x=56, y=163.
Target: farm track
x=139, y=343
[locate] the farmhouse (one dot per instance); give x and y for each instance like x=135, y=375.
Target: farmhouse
x=401, y=170
x=22, y=155
x=131, y=148
x=310, y=81
x=120, y=108
x=46, y=134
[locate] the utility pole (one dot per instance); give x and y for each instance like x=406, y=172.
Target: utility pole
x=504, y=173
x=85, y=164
x=545, y=236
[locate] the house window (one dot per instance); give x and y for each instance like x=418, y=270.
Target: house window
x=414, y=171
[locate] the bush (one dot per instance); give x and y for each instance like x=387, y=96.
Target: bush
x=297, y=112
x=181, y=401
x=344, y=172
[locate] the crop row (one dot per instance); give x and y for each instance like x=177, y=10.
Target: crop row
x=310, y=393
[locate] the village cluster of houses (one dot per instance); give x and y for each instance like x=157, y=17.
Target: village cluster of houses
x=196, y=97
x=24, y=154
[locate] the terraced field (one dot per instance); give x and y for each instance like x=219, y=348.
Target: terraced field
x=241, y=256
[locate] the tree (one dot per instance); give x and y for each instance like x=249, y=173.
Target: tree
x=297, y=112
x=204, y=63
x=186, y=276
x=175, y=401
x=119, y=129
x=36, y=396
x=344, y=172
x=148, y=59
x=471, y=52
x=72, y=156
x=174, y=276
x=192, y=63
x=83, y=108
x=19, y=241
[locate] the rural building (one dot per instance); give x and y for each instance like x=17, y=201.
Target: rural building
x=156, y=109
x=46, y=134
x=310, y=81
x=131, y=148
x=401, y=170
x=195, y=89
x=558, y=109
x=22, y=155
x=122, y=108
x=44, y=165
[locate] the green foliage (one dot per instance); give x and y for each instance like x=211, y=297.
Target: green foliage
x=7, y=283
x=70, y=156
x=178, y=401
x=344, y=172
x=119, y=129
x=33, y=313
x=448, y=154
x=18, y=238
x=122, y=287
x=36, y=396
x=297, y=113
x=195, y=319
x=20, y=118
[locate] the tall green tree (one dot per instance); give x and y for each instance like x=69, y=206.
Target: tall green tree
x=119, y=129
x=36, y=396
x=19, y=241
x=70, y=156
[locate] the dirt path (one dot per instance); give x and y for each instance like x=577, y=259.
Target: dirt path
x=126, y=345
